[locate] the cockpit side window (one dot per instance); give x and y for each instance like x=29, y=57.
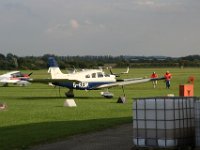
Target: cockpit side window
x=107, y=75
x=19, y=74
x=100, y=75
x=94, y=75
x=87, y=76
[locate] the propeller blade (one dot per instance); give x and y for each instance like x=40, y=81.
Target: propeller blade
x=30, y=74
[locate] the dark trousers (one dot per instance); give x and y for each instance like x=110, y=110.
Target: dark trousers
x=168, y=84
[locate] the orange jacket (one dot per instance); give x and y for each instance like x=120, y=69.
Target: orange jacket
x=168, y=76
x=154, y=75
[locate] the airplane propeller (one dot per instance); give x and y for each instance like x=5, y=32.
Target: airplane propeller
x=30, y=74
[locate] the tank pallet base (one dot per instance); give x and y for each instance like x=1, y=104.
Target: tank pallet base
x=163, y=148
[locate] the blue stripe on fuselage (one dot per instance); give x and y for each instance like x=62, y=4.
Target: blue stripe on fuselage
x=80, y=85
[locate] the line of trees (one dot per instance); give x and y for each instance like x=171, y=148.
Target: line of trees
x=12, y=62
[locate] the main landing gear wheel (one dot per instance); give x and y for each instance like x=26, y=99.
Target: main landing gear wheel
x=70, y=93
x=107, y=94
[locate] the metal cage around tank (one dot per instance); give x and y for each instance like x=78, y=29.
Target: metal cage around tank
x=164, y=122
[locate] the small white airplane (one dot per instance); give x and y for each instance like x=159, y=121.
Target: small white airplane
x=14, y=77
x=92, y=79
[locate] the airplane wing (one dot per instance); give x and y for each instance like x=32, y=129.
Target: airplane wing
x=127, y=82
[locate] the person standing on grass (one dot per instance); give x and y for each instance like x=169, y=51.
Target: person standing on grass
x=168, y=77
x=154, y=82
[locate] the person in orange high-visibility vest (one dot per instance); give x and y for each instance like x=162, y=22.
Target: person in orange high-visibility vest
x=154, y=82
x=168, y=77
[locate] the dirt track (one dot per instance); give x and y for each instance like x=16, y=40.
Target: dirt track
x=118, y=138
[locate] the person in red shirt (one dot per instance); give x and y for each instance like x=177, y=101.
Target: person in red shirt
x=168, y=77
x=154, y=82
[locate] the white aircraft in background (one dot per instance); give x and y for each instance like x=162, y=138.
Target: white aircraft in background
x=92, y=79
x=14, y=77
x=118, y=74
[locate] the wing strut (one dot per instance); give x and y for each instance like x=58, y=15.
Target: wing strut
x=59, y=91
x=70, y=93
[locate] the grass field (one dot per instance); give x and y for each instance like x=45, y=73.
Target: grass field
x=35, y=114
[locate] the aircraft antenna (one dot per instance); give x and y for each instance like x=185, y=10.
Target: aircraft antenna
x=15, y=62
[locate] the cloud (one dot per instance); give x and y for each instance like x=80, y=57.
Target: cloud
x=75, y=27
x=57, y=28
x=62, y=27
x=74, y=24
x=159, y=5
x=146, y=2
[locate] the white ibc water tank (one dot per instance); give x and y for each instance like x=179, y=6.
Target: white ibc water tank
x=163, y=121
x=197, y=123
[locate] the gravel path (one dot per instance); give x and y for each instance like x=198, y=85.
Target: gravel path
x=117, y=138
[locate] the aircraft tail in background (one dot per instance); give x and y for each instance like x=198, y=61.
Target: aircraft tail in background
x=118, y=74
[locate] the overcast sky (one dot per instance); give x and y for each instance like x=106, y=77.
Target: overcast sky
x=100, y=27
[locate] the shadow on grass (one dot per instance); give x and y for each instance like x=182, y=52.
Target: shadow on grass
x=62, y=97
x=40, y=97
x=23, y=136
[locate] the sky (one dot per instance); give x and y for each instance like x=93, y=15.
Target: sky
x=100, y=27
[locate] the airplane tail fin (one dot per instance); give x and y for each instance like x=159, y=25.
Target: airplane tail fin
x=54, y=70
